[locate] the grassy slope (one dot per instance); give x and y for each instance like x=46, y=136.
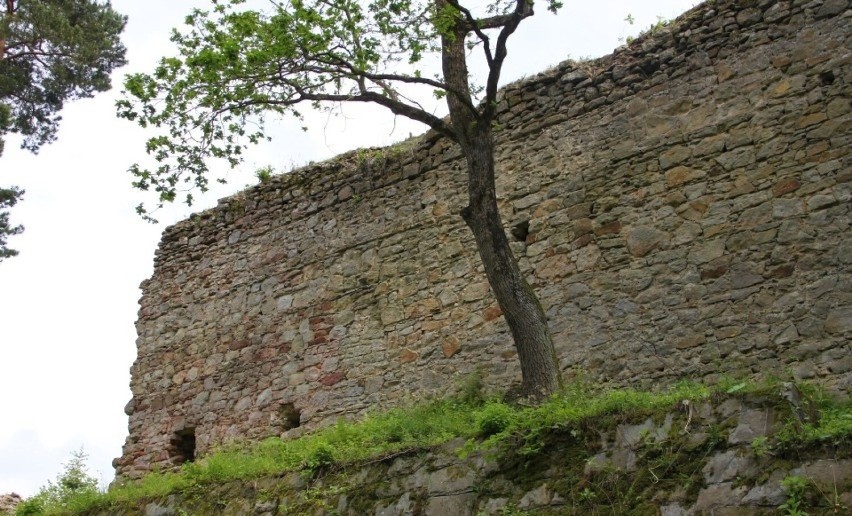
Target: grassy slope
x=487, y=424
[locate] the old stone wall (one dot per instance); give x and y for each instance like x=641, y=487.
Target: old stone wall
x=681, y=207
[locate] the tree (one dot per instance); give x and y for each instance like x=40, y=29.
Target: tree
x=51, y=51
x=74, y=483
x=236, y=65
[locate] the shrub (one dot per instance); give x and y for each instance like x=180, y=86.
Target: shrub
x=494, y=418
x=73, y=486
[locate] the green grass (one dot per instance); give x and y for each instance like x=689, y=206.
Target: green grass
x=485, y=424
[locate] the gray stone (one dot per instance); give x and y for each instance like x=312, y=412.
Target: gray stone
x=832, y=8
x=818, y=202
x=596, y=463
x=786, y=208
x=839, y=320
x=642, y=240
x=284, y=302
x=634, y=435
x=537, y=497
x=154, y=509
x=707, y=252
x=737, y=158
x=494, y=506
x=769, y=493
x=826, y=472
x=727, y=466
x=674, y=156
x=452, y=479
x=715, y=496
x=673, y=510
x=460, y=504
x=752, y=423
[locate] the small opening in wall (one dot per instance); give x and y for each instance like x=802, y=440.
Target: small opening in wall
x=183, y=445
x=290, y=416
x=827, y=77
x=521, y=230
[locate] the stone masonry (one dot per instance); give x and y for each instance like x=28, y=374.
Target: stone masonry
x=681, y=207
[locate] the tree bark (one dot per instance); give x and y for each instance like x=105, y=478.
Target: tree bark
x=10, y=10
x=521, y=308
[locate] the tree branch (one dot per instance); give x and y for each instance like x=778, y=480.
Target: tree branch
x=474, y=25
x=395, y=106
x=349, y=71
x=523, y=9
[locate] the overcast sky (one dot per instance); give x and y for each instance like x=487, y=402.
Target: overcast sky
x=68, y=302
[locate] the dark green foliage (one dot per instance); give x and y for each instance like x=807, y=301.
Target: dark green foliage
x=320, y=455
x=51, y=51
x=55, y=51
x=494, y=418
x=8, y=198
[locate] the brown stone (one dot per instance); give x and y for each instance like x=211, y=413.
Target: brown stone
x=332, y=378
x=406, y=356
x=238, y=344
x=781, y=62
x=780, y=88
x=450, y=346
x=582, y=241
x=491, y=313
x=790, y=184
x=680, y=175
x=723, y=72
x=548, y=206
x=813, y=118
x=690, y=341
x=714, y=271
x=508, y=355
x=432, y=325
x=345, y=193
x=784, y=271
x=582, y=227
x=556, y=266
x=579, y=211
x=608, y=228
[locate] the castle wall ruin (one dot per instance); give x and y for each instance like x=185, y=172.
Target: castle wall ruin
x=681, y=207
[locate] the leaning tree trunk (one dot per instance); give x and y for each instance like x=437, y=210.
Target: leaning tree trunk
x=521, y=308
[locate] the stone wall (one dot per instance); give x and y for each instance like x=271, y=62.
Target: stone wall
x=681, y=207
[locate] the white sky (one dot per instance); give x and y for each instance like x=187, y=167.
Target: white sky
x=68, y=302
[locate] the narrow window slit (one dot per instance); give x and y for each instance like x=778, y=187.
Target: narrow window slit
x=183, y=446
x=291, y=417
x=521, y=231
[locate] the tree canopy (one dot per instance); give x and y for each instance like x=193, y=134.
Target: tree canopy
x=51, y=51
x=236, y=66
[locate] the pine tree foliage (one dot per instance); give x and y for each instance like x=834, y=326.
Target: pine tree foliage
x=51, y=52
x=8, y=198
